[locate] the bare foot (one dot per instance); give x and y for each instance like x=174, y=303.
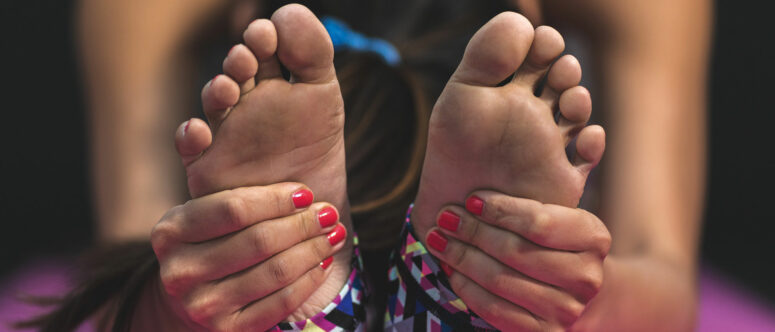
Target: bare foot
x=505, y=138
x=264, y=129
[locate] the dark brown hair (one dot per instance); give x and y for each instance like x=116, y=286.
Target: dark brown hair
x=387, y=112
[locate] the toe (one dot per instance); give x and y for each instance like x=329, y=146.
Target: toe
x=575, y=109
x=303, y=45
x=261, y=38
x=241, y=65
x=589, y=148
x=496, y=51
x=547, y=46
x=191, y=139
x=564, y=74
x=219, y=95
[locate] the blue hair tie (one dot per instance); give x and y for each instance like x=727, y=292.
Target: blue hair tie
x=345, y=38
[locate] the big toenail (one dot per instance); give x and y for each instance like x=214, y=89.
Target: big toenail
x=302, y=198
x=449, y=221
x=475, y=205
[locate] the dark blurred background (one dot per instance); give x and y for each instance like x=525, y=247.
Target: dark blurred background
x=45, y=206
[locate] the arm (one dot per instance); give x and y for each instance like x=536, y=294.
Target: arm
x=653, y=57
x=135, y=72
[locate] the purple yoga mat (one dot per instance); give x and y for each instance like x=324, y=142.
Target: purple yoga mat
x=724, y=306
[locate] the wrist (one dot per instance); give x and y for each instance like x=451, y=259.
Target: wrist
x=155, y=310
x=642, y=293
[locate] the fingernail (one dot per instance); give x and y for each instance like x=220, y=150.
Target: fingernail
x=437, y=241
x=326, y=262
x=475, y=205
x=449, y=221
x=447, y=269
x=327, y=216
x=302, y=198
x=337, y=235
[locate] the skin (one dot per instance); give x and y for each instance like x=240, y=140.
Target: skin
x=255, y=137
x=653, y=197
x=234, y=289
x=653, y=184
x=655, y=225
x=521, y=264
x=136, y=179
x=525, y=264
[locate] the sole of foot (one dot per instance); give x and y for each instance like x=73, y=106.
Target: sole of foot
x=507, y=137
x=264, y=129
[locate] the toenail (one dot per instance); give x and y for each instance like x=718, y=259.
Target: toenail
x=475, y=205
x=185, y=129
x=326, y=262
x=449, y=221
x=327, y=217
x=437, y=241
x=337, y=235
x=302, y=198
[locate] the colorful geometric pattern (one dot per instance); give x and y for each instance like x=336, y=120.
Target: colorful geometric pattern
x=345, y=313
x=421, y=298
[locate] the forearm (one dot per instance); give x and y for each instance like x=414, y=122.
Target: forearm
x=133, y=65
x=652, y=58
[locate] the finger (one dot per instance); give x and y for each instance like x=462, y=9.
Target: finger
x=238, y=251
x=537, y=297
x=228, y=211
x=548, y=225
x=277, y=272
x=498, y=312
x=578, y=272
x=267, y=312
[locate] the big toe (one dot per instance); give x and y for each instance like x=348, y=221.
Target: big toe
x=303, y=45
x=496, y=51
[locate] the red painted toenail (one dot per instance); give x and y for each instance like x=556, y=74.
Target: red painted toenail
x=447, y=269
x=475, y=205
x=437, y=241
x=449, y=221
x=231, y=50
x=337, y=235
x=302, y=198
x=326, y=262
x=327, y=217
x=185, y=129
x=214, y=78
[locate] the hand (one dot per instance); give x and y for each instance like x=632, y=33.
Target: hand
x=245, y=259
x=520, y=264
